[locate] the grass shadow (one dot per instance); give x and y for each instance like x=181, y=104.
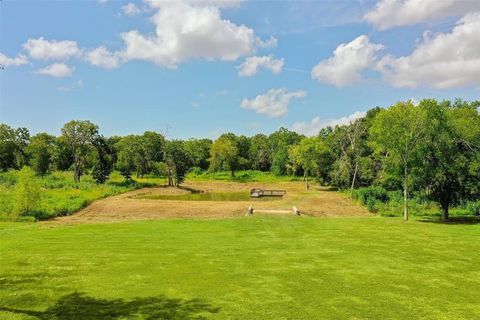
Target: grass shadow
x=80, y=306
x=453, y=220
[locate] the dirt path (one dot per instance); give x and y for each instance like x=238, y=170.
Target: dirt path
x=315, y=202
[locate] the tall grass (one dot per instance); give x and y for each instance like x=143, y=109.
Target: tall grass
x=240, y=176
x=60, y=195
x=390, y=203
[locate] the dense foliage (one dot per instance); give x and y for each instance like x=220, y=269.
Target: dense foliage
x=429, y=151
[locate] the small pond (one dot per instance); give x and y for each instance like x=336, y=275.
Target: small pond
x=207, y=196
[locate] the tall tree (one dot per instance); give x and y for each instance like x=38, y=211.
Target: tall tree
x=223, y=155
x=177, y=162
x=40, y=152
x=314, y=157
x=450, y=151
x=7, y=147
x=398, y=130
x=259, y=153
x=198, y=151
x=280, y=142
x=103, y=163
x=13, y=145
x=79, y=136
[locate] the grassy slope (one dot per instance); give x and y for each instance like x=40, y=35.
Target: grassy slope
x=60, y=195
x=245, y=268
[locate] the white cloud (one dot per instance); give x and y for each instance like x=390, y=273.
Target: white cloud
x=274, y=103
x=270, y=43
x=444, y=60
x=57, y=70
x=131, y=9
x=186, y=30
x=348, y=60
x=392, y=13
x=55, y=50
x=76, y=85
x=103, y=58
x=251, y=65
x=313, y=127
x=17, y=61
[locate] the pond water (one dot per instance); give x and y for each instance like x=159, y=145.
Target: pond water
x=210, y=196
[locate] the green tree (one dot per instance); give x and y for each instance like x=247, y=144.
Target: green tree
x=27, y=193
x=223, y=155
x=198, y=151
x=13, y=145
x=62, y=156
x=450, y=151
x=177, y=162
x=103, y=163
x=398, y=131
x=280, y=142
x=7, y=147
x=40, y=152
x=259, y=153
x=314, y=157
x=79, y=136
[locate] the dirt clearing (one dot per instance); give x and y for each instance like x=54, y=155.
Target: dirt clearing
x=131, y=206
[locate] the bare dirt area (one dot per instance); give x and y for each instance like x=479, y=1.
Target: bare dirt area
x=133, y=205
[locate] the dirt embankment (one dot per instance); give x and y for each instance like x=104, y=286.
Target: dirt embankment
x=128, y=206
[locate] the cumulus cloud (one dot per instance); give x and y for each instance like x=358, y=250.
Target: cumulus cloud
x=313, y=127
x=186, y=30
x=57, y=70
x=17, y=61
x=51, y=49
x=251, y=65
x=273, y=103
x=348, y=60
x=444, y=60
x=103, y=58
x=130, y=9
x=391, y=13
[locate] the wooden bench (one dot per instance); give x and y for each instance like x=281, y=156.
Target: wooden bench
x=257, y=193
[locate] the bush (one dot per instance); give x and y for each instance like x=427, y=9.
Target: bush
x=474, y=208
x=372, y=197
x=371, y=205
x=375, y=193
x=196, y=171
x=27, y=193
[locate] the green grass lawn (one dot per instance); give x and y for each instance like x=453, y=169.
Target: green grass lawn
x=244, y=268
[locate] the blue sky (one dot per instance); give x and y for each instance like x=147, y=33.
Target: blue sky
x=207, y=67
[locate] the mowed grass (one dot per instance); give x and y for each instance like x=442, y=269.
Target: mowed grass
x=260, y=267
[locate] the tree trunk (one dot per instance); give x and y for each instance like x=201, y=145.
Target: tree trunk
x=306, y=180
x=445, y=212
x=76, y=169
x=354, y=178
x=405, y=193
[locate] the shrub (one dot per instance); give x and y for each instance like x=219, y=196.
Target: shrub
x=371, y=205
x=474, y=208
x=374, y=193
x=27, y=193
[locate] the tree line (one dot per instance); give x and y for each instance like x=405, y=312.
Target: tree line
x=431, y=148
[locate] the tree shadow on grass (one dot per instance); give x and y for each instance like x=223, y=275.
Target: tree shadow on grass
x=79, y=306
x=453, y=220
